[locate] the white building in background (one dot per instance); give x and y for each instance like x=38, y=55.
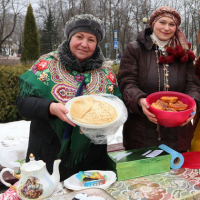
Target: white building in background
x=14, y=50
x=9, y=50
x=5, y=52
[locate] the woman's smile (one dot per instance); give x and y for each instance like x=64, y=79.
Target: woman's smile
x=165, y=33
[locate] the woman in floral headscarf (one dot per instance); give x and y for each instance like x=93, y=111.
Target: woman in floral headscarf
x=159, y=60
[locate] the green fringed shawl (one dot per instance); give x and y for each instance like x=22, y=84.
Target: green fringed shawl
x=48, y=79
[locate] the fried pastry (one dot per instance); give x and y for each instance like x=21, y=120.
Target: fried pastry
x=168, y=99
x=155, y=105
x=162, y=104
x=179, y=102
x=178, y=106
x=159, y=104
x=170, y=104
x=170, y=110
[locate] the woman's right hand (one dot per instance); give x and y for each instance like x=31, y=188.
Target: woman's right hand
x=59, y=110
x=145, y=109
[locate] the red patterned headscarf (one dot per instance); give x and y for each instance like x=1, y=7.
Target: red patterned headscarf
x=165, y=11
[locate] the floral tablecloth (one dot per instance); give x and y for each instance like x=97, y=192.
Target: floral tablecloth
x=10, y=194
x=181, y=184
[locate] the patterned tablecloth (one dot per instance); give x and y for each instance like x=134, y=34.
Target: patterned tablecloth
x=182, y=183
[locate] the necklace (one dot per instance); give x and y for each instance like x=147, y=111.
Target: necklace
x=160, y=48
x=166, y=81
x=165, y=70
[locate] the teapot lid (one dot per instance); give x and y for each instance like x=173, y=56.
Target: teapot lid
x=33, y=165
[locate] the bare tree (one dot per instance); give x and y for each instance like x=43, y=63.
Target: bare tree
x=9, y=11
x=125, y=16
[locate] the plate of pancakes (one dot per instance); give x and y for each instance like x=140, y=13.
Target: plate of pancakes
x=93, y=111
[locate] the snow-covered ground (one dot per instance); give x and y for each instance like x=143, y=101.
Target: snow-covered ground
x=14, y=142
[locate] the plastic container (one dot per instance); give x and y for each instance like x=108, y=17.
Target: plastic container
x=171, y=119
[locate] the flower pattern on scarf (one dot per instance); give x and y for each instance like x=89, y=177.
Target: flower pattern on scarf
x=79, y=78
x=34, y=69
x=43, y=77
x=111, y=77
x=42, y=65
x=41, y=71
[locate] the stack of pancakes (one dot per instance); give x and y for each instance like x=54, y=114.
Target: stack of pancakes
x=171, y=104
x=86, y=110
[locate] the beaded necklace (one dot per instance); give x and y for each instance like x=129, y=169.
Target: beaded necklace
x=165, y=70
x=160, y=49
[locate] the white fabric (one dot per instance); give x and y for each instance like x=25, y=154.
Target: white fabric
x=160, y=43
x=13, y=143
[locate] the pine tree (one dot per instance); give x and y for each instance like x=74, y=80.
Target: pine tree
x=31, y=44
x=48, y=40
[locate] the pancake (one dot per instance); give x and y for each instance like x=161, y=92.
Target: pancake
x=100, y=113
x=80, y=106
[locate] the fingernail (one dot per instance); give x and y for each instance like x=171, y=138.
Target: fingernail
x=192, y=113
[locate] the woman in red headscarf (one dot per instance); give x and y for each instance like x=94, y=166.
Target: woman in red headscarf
x=159, y=60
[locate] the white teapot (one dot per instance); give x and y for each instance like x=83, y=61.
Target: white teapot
x=34, y=181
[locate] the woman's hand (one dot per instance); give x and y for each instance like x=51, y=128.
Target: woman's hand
x=145, y=109
x=59, y=110
x=191, y=116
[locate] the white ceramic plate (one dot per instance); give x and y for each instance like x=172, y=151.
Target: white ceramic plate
x=96, y=97
x=73, y=183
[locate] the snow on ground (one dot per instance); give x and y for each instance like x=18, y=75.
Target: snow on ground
x=14, y=142
x=110, y=62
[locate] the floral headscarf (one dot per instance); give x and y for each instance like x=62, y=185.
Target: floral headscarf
x=165, y=11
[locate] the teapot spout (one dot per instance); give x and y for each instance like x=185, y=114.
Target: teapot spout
x=55, y=177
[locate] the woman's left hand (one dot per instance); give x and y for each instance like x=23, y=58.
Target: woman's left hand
x=191, y=116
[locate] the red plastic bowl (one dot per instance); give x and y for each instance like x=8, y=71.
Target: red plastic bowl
x=171, y=119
